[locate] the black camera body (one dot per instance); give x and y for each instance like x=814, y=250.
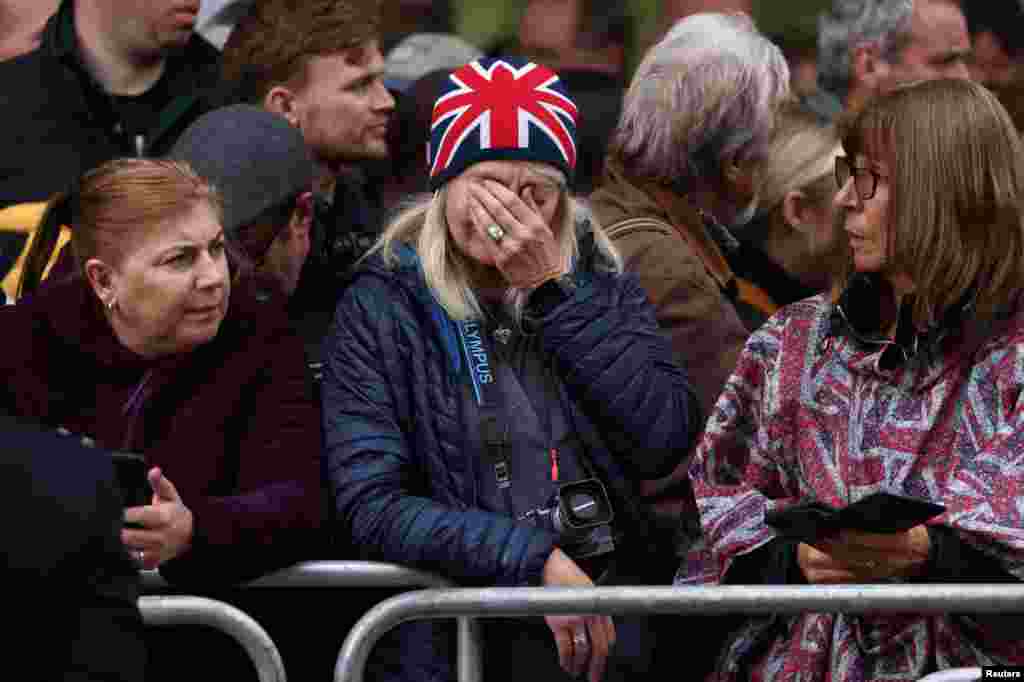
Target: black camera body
x=580, y=513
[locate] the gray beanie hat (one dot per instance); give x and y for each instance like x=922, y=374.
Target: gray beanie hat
x=254, y=158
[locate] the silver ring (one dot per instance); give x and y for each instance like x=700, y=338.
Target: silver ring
x=495, y=231
x=580, y=640
x=140, y=556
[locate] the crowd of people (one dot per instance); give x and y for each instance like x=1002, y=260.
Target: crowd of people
x=515, y=317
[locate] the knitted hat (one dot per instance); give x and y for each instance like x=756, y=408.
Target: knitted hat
x=501, y=109
x=254, y=158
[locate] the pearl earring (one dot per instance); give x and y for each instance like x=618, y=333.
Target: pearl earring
x=111, y=303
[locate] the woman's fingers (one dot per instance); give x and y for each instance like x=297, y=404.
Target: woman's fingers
x=511, y=212
x=581, y=648
x=601, y=638
x=563, y=641
x=483, y=221
x=142, y=539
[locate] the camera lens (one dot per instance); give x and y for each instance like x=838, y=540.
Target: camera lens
x=584, y=507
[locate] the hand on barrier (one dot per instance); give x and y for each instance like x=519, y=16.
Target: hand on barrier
x=164, y=527
x=583, y=641
x=858, y=557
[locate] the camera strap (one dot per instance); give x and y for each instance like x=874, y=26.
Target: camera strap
x=494, y=428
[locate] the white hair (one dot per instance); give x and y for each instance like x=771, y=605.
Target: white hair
x=849, y=23
x=705, y=92
x=423, y=225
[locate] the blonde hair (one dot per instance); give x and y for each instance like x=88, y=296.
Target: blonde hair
x=110, y=204
x=424, y=226
x=801, y=157
x=956, y=226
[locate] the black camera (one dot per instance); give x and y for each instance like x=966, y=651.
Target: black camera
x=580, y=513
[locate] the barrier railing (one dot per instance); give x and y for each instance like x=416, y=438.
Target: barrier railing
x=750, y=599
x=182, y=610
x=364, y=574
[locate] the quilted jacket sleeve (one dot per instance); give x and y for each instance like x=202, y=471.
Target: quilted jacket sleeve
x=620, y=369
x=376, y=471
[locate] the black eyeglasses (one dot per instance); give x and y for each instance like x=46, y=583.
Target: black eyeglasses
x=865, y=180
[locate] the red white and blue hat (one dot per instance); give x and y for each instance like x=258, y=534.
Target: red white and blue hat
x=501, y=109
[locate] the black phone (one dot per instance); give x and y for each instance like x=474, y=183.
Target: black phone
x=130, y=470
x=884, y=512
x=880, y=512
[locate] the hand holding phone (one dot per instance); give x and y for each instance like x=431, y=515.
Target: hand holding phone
x=880, y=512
x=131, y=479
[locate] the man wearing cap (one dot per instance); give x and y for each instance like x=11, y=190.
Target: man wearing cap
x=264, y=173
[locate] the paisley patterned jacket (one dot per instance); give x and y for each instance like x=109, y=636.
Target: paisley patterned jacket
x=818, y=410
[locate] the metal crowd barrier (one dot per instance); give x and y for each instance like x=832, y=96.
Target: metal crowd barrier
x=364, y=574
x=180, y=610
x=750, y=599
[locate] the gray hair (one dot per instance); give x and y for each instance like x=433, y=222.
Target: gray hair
x=705, y=92
x=850, y=23
x=422, y=225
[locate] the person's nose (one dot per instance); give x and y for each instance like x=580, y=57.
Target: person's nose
x=846, y=197
x=383, y=102
x=958, y=69
x=211, y=272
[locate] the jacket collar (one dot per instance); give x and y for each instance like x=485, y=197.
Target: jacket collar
x=701, y=232
x=60, y=41
x=856, y=314
x=76, y=317
x=74, y=313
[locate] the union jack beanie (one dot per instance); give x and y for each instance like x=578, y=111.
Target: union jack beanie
x=501, y=109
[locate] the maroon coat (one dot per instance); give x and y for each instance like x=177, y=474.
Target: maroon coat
x=233, y=424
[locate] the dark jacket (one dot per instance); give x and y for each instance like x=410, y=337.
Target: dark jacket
x=59, y=122
x=397, y=441
x=61, y=535
x=232, y=423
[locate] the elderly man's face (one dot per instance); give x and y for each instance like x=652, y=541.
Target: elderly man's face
x=939, y=47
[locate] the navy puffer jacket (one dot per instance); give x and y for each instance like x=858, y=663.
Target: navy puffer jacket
x=398, y=454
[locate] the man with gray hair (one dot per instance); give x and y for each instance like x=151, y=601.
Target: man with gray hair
x=870, y=46
x=682, y=163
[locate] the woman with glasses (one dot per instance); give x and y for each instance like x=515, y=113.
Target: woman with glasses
x=905, y=380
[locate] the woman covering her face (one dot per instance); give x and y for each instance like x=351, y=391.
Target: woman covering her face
x=494, y=387
x=149, y=349
x=907, y=380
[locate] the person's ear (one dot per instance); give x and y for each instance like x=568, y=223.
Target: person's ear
x=281, y=100
x=866, y=64
x=739, y=175
x=101, y=278
x=795, y=209
x=301, y=224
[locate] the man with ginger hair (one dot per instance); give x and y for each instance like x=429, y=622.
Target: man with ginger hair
x=318, y=64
